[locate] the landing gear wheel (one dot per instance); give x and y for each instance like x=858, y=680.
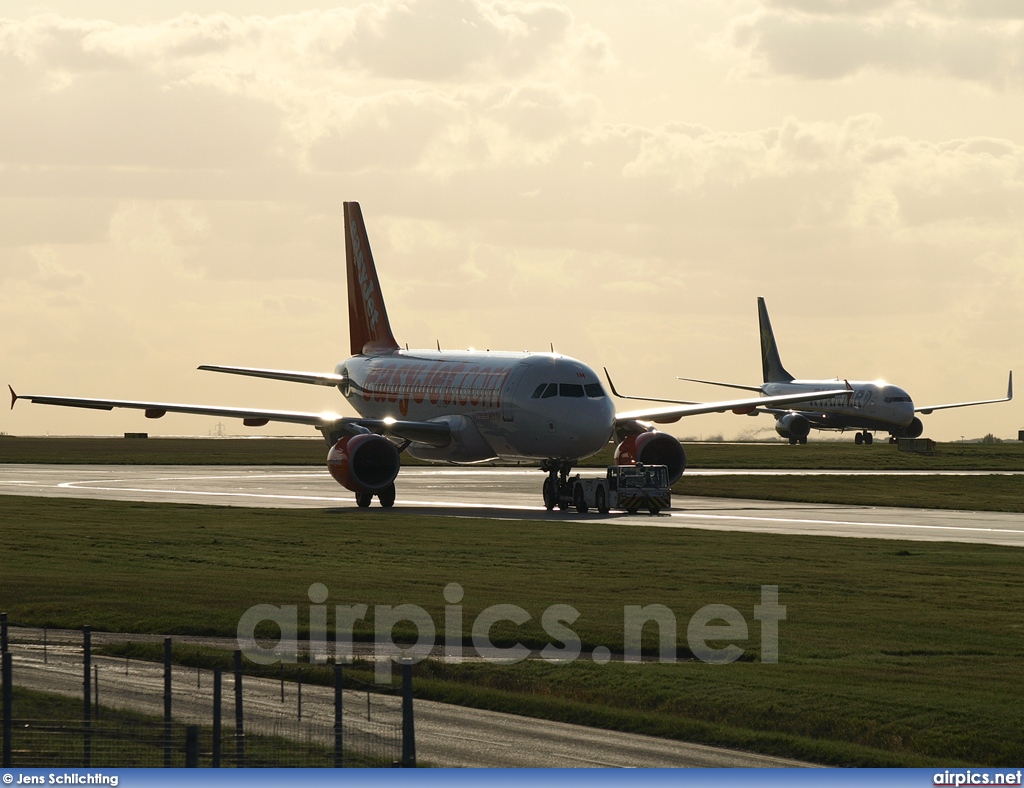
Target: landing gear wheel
x=653, y=509
x=868, y=438
x=794, y=441
x=803, y=441
x=363, y=500
x=892, y=440
x=579, y=501
x=549, y=494
x=556, y=486
x=858, y=438
x=599, y=500
x=387, y=496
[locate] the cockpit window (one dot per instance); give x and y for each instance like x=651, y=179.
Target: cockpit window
x=898, y=399
x=551, y=390
x=539, y=390
x=570, y=390
x=594, y=390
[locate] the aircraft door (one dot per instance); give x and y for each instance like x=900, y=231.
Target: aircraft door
x=508, y=394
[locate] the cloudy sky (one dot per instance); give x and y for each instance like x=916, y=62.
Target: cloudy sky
x=620, y=180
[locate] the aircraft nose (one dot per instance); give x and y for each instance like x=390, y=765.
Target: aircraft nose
x=601, y=423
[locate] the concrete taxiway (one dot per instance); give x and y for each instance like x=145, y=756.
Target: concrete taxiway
x=497, y=493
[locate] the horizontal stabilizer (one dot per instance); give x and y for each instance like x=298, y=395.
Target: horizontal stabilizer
x=315, y=378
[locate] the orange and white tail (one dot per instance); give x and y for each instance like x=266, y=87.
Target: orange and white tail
x=368, y=327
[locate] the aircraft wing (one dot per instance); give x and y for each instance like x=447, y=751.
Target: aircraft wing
x=434, y=433
x=719, y=383
x=315, y=378
x=669, y=414
x=1007, y=398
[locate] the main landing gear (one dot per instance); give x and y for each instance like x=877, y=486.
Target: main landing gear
x=557, y=483
x=863, y=437
x=798, y=441
x=385, y=496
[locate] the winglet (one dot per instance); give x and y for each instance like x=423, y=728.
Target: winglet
x=616, y=393
x=1009, y=388
x=14, y=397
x=368, y=326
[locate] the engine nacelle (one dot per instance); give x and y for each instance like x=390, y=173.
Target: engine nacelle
x=364, y=463
x=653, y=448
x=793, y=425
x=912, y=430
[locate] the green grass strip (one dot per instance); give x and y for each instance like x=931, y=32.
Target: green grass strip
x=913, y=649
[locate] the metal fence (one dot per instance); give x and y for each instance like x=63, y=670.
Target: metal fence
x=366, y=725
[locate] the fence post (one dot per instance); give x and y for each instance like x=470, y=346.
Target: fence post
x=216, y=717
x=45, y=660
x=8, y=703
x=408, y=727
x=339, y=752
x=239, y=719
x=96, y=692
x=298, y=687
x=167, y=703
x=192, y=746
x=86, y=696
x=3, y=633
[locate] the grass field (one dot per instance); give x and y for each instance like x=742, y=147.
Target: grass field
x=989, y=493
x=284, y=451
x=891, y=653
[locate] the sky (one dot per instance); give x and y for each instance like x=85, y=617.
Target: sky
x=618, y=181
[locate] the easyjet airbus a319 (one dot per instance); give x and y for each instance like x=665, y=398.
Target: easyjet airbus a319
x=457, y=407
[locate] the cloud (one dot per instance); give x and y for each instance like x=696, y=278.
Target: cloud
x=433, y=40
x=832, y=39
x=345, y=88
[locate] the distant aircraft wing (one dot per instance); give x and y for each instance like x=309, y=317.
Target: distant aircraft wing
x=1007, y=398
x=315, y=378
x=433, y=433
x=672, y=413
x=719, y=383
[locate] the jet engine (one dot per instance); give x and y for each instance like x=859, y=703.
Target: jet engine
x=653, y=448
x=792, y=425
x=912, y=430
x=364, y=463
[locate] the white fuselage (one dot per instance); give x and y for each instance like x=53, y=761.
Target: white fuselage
x=498, y=404
x=871, y=405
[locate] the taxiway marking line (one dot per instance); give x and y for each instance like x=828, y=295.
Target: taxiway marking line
x=453, y=504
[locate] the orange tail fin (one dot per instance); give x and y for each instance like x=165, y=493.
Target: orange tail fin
x=368, y=326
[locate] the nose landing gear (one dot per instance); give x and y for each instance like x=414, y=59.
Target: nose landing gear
x=556, y=485
x=863, y=437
